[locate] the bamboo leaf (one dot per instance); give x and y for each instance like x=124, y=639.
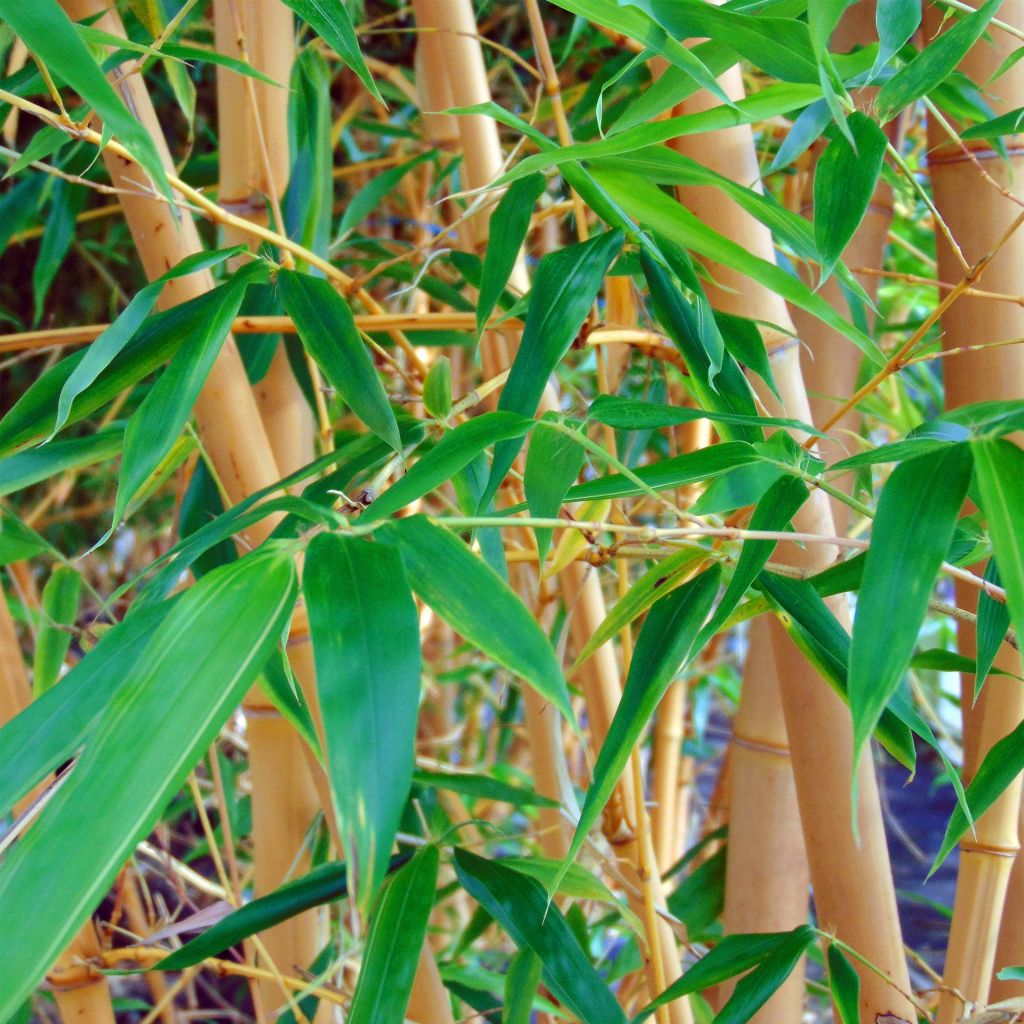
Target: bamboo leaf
x=330, y=20
x=999, y=469
x=60, y=609
x=371, y=195
x=156, y=424
x=663, y=648
x=366, y=645
x=913, y=527
x=54, y=877
x=1002, y=764
x=935, y=62
x=66, y=203
x=993, y=622
x=109, y=345
x=844, y=985
x=896, y=22
x=509, y=225
x=522, y=907
x=472, y=598
x=564, y=290
x=521, y=987
x=482, y=787
x=48, y=32
x=553, y=463
x=844, y=182
x=35, y=464
x=456, y=450
x=437, y=388
x=397, y=930
x=1006, y=124
x=733, y=955
x=329, y=333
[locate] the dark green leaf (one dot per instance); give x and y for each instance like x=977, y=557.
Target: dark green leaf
x=553, y=463
x=912, y=530
x=366, y=645
x=844, y=984
x=398, y=928
x=482, y=787
x=521, y=987
x=34, y=464
x=329, y=333
x=993, y=622
x=896, y=22
x=522, y=907
x=58, y=233
x=995, y=128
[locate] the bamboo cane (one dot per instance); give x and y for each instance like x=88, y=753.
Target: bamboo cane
x=1010, y=951
x=454, y=25
x=977, y=216
x=254, y=165
x=853, y=886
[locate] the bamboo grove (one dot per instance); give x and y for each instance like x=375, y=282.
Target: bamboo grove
x=498, y=498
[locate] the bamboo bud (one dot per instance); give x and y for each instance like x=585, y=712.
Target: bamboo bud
x=977, y=224
x=853, y=888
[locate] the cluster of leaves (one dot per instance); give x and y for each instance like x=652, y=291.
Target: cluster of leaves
x=136, y=716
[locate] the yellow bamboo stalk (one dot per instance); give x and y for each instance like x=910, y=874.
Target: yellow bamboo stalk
x=1010, y=951
x=463, y=66
x=853, y=886
x=977, y=216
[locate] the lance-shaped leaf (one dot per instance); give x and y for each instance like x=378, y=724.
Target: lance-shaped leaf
x=844, y=985
x=773, y=954
x=999, y=469
x=34, y=464
x=156, y=424
x=456, y=450
x=566, y=286
x=475, y=601
x=844, y=182
x=664, y=646
x=366, y=645
x=896, y=22
x=175, y=698
x=397, y=930
x=553, y=462
x=331, y=22
x=523, y=908
x=329, y=333
x=993, y=622
x=48, y=32
x=917, y=512
x=509, y=224
x=102, y=352
x=60, y=609
x=935, y=62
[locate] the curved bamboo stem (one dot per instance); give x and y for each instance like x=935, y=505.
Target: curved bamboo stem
x=977, y=213
x=853, y=886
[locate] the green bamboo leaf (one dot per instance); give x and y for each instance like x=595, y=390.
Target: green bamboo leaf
x=733, y=955
x=482, y=787
x=661, y=578
x=553, y=463
x=34, y=464
x=1011, y=974
x=60, y=609
x=663, y=648
x=995, y=128
x=999, y=469
x=913, y=527
x=372, y=195
x=54, y=727
x=698, y=901
x=160, y=337
x=437, y=388
x=66, y=203
x=456, y=450
x=844, y=985
x=329, y=333
x=774, y=512
x=521, y=987
x=806, y=130
x=509, y=225
x=157, y=423
x=934, y=63
x=324, y=884
x=844, y=182
x=651, y=207
x=109, y=345
x=398, y=928
x=199, y=55
x=993, y=622
x=331, y=22
x=366, y=645
x=18, y=542
x=48, y=32
x=522, y=907
x=564, y=290
x=1001, y=765
x=54, y=877
x=471, y=597
x=896, y=22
